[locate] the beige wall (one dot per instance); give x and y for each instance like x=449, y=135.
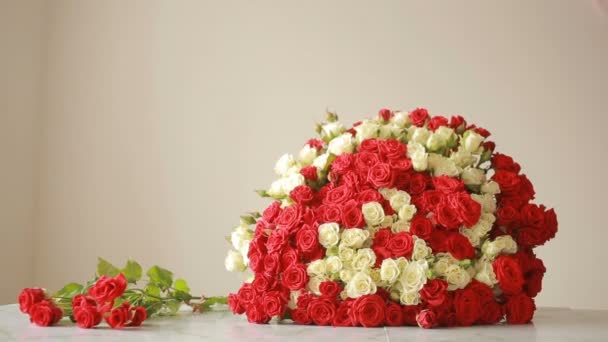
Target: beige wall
x=160, y=117
x=21, y=47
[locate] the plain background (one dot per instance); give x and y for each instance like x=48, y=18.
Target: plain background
x=141, y=128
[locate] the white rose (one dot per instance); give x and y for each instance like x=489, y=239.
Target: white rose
x=413, y=276
x=373, y=213
x=284, y=164
x=353, y=237
x=389, y=131
x=365, y=258
x=442, y=166
x=276, y=188
x=240, y=237
x=407, y=212
x=346, y=275
x=313, y=284
x=332, y=129
x=410, y=298
x=487, y=201
x=307, y=154
x=321, y=162
x=361, y=284
x=444, y=260
x=346, y=254
x=472, y=141
x=398, y=199
x=400, y=119
x=446, y=133
x=419, y=134
x=473, y=176
x=293, y=299
x=387, y=192
x=420, y=160
x=457, y=277
x=501, y=245
x=341, y=144
x=400, y=226
x=329, y=234
x=333, y=264
x=435, y=142
x=421, y=250
x=389, y=271
x=234, y=262
x=485, y=273
x=367, y=129
x=292, y=182
x=473, y=235
x=462, y=158
x=490, y=187
x=317, y=268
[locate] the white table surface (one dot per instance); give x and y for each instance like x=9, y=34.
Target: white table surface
x=550, y=324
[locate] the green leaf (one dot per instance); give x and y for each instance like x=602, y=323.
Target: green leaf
x=152, y=290
x=132, y=271
x=181, y=285
x=262, y=193
x=160, y=276
x=209, y=302
x=247, y=219
x=69, y=290
x=173, y=306
x=106, y=268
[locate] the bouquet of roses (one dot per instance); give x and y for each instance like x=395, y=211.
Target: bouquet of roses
x=403, y=219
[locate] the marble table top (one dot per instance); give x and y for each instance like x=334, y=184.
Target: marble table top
x=550, y=324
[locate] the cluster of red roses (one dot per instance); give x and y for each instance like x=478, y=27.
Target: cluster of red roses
x=87, y=310
x=286, y=240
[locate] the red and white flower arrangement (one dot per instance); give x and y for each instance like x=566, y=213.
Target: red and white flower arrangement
x=403, y=219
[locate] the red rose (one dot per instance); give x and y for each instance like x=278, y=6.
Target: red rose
x=382, y=237
x=421, y=226
x=307, y=241
x=509, y=275
x=246, y=294
x=447, y=216
x=380, y=175
x=290, y=217
x=272, y=264
x=300, y=316
x=533, y=215
x=295, y=277
x=436, y=122
x=310, y=173
x=393, y=149
x=278, y=239
x=468, y=209
x=255, y=314
x=520, y=309
x=482, y=131
x=550, y=224
x=467, y=306
x=302, y=194
x=87, y=316
x=343, y=315
x=460, y=247
x=410, y=312
x=401, y=245
x=418, y=116
x=330, y=289
x=342, y=163
x=315, y=143
x=369, y=195
x=418, y=183
x=273, y=304
x=400, y=166
x=458, y=123
x=365, y=160
x=234, y=304
x=434, y=292
x=507, y=181
x=322, y=311
x=393, y=314
x=507, y=216
x=427, y=319
x=304, y=299
x=29, y=297
x=107, y=289
x=352, y=217
x=332, y=213
x=369, y=310
x=369, y=145
x=431, y=199
x=492, y=313
x=288, y=257
x=438, y=241
x=338, y=195
x=531, y=236
x=271, y=212
x=534, y=278
x=81, y=300
x=139, y=316
x=504, y=162
x=45, y=313
x=447, y=184
x=385, y=114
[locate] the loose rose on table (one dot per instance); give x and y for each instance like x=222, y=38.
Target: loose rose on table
x=120, y=297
